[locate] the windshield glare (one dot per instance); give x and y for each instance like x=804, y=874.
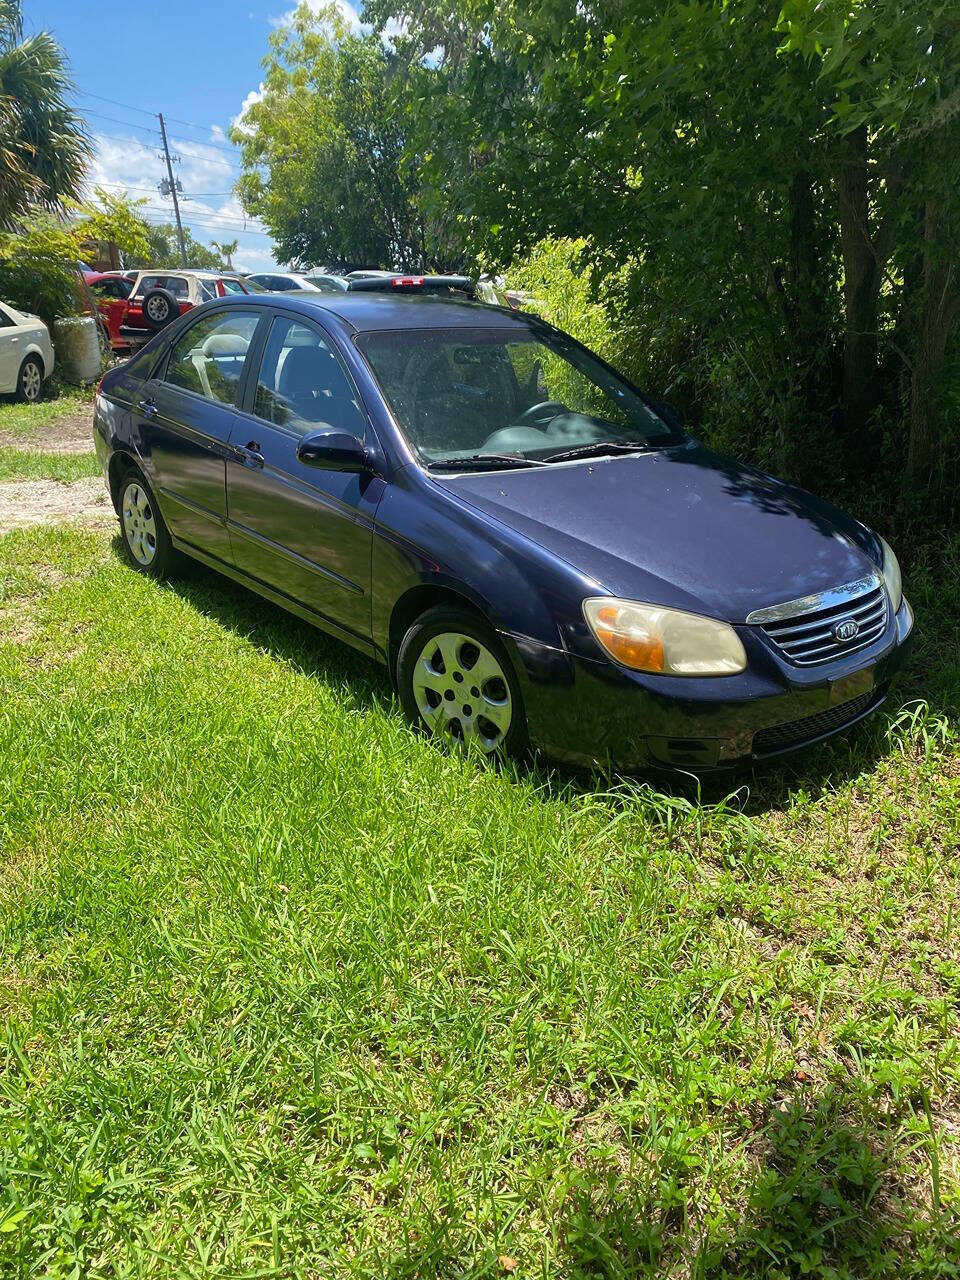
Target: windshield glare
x=468, y=393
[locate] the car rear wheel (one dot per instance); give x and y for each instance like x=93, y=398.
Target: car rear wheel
x=30, y=381
x=159, y=307
x=145, y=536
x=456, y=682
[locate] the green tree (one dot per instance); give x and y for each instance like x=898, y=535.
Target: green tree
x=226, y=250
x=163, y=250
x=38, y=260
x=782, y=190
x=323, y=153
x=44, y=148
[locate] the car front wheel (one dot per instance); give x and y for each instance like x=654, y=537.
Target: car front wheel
x=456, y=682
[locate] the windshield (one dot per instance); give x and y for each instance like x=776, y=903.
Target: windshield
x=488, y=394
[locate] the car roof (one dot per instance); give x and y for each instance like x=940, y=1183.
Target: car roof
x=370, y=312
x=199, y=272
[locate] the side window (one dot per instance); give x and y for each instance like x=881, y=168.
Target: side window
x=210, y=357
x=111, y=288
x=6, y=321
x=232, y=286
x=302, y=384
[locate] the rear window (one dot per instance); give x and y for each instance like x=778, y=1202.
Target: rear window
x=177, y=285
x=209, y=358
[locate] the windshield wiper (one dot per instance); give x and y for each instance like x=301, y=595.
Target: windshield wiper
x=600, y=447
x=484, y=462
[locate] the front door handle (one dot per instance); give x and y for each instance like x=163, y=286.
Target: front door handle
x=250, y=454
x=147, y=408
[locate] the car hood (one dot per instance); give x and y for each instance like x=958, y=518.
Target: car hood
x=684, y=527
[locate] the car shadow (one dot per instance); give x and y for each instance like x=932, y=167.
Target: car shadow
x=273, y=631
x=930, y=677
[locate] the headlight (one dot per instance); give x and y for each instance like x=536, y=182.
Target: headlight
x=647, y=637
x=891, y=575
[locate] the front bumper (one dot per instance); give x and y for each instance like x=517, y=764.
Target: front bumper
x=589, y=711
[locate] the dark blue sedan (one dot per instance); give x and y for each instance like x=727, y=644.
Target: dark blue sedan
x=534, y=548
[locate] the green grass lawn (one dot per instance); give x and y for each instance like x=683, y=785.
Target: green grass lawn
x=25, y=430
x=32, y=464
x=33, y=420
x=285, y=991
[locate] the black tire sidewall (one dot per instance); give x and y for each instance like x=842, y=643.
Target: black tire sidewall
x=451, y=618
x=21, y=394
x=174, y=309
x=164, y=561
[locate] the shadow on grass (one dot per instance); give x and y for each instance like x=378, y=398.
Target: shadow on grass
x=931, y=674
x=274, y=631
x=837, y=1189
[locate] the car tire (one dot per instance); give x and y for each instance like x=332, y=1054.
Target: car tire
x=146, y=539
x=159, y=308
x=456, y=681
x=30, y=380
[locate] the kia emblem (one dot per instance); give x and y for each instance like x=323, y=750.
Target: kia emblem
x=846, y=630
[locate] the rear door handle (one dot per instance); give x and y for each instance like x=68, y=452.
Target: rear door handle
x=147, y=408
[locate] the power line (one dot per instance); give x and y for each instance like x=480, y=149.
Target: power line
x=129, y=123
x=209, y=159
x=138, y=142
x=129, y=106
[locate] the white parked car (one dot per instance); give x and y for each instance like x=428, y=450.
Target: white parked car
x=292, y=281
x=26, y=354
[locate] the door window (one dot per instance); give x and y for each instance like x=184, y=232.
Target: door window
x=209, y=359
x=302, y=384
x=111, y=288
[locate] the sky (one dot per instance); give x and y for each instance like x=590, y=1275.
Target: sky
x=197, y=61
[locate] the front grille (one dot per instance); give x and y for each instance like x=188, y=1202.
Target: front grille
x=809, y=638
x=780, y=737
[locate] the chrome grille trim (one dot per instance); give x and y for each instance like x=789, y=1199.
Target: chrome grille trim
x=821, y=600
x=807, y=637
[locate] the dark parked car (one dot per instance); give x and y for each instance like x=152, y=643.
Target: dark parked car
x=536, y=549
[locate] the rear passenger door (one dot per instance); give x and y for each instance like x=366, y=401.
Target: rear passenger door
x=301, y=530
x=185, y=415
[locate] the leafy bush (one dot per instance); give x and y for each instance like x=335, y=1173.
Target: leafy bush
x=38, y=260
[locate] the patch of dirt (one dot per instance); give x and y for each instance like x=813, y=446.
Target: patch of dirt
x=73, y=433
x=24, y=503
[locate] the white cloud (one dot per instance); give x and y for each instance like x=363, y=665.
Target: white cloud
x=350, y=16
x=255, y=95
x=208, y=205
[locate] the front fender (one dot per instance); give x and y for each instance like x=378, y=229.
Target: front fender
x=427, y=538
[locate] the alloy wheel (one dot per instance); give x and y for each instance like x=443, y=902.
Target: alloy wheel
x=157, y=309
x=461, y=690
x=32, y=381
x=139, y=524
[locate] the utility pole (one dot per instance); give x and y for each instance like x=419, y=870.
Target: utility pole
x=173, y=191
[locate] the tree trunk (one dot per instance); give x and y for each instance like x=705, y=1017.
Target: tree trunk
x=803, y=274
x=861, y=279
x=941, y=302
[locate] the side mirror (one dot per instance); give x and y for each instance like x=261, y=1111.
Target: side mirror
x=335, y=450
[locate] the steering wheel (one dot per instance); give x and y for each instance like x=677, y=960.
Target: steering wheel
x=537, y=411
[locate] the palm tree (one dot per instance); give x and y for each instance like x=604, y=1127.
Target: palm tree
x=44, y=146
x=226, y=250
